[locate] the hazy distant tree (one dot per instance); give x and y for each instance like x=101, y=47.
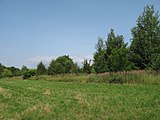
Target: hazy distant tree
x=146, y=38
x=41, y=69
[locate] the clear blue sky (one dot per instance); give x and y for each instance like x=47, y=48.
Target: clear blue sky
x=35, y=30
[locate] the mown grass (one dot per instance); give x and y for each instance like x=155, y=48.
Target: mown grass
x=46, y=100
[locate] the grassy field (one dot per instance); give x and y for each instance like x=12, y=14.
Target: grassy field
x=46, y=100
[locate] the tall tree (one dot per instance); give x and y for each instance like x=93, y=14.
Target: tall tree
x=41, y=69
x=51, y=68
x=100, y=63
x=113, y=42
x=146, y=38
x=113, y=55
x=117, y=53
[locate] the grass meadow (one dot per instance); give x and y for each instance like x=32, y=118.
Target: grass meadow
x=84, y=97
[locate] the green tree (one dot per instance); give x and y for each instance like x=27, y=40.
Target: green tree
x=7, y=73
x=41, y=69
x=119, y=61
x=61, y=65
x=113, y=55
x=75, y=69
x=15, y=71
x=117, y=53
x=146, y=38
x=100, y=63
x=24, y=69
x=87, y=68
x=114, y=42
x=156, y=63
x=51, y=68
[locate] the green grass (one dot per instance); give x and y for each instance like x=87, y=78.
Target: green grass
x=46, y=100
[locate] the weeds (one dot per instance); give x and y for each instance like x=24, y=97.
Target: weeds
x=126, y=77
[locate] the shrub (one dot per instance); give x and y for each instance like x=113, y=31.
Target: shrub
x=29, y=73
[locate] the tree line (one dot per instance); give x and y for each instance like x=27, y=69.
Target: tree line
x=112, y=54
x=62, y=65
x=144, y=52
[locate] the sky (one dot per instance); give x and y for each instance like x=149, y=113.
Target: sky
x=41, y=30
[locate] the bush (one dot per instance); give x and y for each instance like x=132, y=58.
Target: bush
x=29, y=73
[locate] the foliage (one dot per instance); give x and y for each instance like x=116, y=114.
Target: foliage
x=100, y=64
x=9, y=71
x=1, y=69
x=41, y=69
x=6, y=73
x=112, y=57
x=24, y=69
x=15, y=71
x=117, y=53
x=63, y=64
x=146, y=38
x=114, y=42
x=51, y=70
x=87, y=68
x=76, y=69
x=155, y=63
x=29, y=73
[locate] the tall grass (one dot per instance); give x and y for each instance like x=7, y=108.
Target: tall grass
x=132, y=77
x=128, y=77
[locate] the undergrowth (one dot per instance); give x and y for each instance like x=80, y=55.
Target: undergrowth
x=132, y=77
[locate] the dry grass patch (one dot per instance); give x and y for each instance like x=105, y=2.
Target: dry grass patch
x=47, y=92
x=4, y=92
x=79, y=97
x=43, y=108
x=2, y=106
